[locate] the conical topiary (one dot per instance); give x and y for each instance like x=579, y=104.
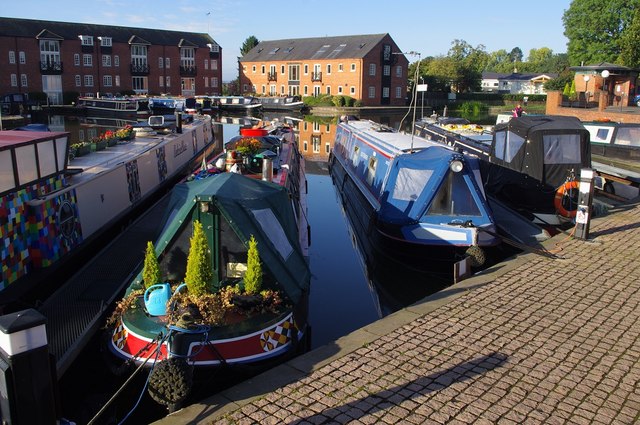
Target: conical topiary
x=253, y=275
x=566, y=90
x=151, y=269
x=199, y=272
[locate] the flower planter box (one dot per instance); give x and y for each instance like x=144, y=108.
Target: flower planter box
x=112, y=142
x=129, y=137
x=102, y=145
x=83, y=150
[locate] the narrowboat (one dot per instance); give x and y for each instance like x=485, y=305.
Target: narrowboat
x=57, y=197
x=111, y=106
x=237, y=103
x=530, y=163
x=281, y=103
x=421, y=200
x=238, y=198
x=166, y=105
x=615, y=153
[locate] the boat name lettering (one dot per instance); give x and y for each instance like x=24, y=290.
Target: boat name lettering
x=179, y=148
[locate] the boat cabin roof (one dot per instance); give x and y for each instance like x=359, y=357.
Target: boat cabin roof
x=11, y=138
x=387, y=139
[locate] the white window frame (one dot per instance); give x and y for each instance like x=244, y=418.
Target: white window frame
x=386, y=92
x=399, y=71
x=353, y=67
x=328, y=69
x=167, y=81
x=87, y=60
x=23, y=80
x=161, y=80
x=372, y=69
x=116, y=60
x=22, y=58
x=214, y=64
x=14, y=80
x=340, y=68
x=106, y=60
x=12, y=57
x=372, y=92
x=86, y=40
x=107, y=80
x=78, y=80
x=352, y=90
x=105, y=41
x=386, y=70
x=214, y=82
x=398, y=92
x=161, y=62
x=88, y=80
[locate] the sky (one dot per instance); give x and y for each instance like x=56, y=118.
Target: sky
x=427, y=27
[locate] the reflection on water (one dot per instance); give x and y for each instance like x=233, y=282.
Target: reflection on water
x=353, y=284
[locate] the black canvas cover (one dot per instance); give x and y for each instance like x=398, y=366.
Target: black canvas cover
x=552, y=147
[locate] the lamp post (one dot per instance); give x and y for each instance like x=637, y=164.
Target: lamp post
x=586, y=92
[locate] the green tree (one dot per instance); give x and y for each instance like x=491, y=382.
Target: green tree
x=595, y=29
x=462, y=67
x=499, y=61
x=199, y=272
x=253, y=275
x=249, y=44
x=630, y=42
x=151, y=269
x=516, y=55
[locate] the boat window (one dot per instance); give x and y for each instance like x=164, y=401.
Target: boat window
x=274, y=231
x=628, y=136
x=46, y=158
x=454, y=198
x=602, y=135
x=7, y=181
x=26, y=164
x=356, y=152
x=514, y=143
x=500, y=136
x=410, y=183
x=561, y=148
x=371, y=170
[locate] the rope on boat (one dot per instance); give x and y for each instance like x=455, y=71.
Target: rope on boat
x=161, y=339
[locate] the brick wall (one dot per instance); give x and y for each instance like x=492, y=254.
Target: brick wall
x=554, y=107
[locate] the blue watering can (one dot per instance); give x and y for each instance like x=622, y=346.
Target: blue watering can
x=157, y=296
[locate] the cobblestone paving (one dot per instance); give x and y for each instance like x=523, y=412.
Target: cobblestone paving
x=552, y=341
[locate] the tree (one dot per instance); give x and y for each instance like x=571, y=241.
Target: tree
x=629, y=51
x=462, y=67
x=249, y=44
x=199, y=272
x=151, y=269
x=516, y=55
x=253, y=275
x=595, y=29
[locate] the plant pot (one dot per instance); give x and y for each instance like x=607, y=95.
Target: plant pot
x=83, y=150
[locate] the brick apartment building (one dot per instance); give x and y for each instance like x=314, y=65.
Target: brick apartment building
x=57, y=57
x=370, y=68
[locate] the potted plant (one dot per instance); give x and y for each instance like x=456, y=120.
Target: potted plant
x=100, y=143
x=81, y=148
x=248, y=146
x=110, y=138
x=125, y=133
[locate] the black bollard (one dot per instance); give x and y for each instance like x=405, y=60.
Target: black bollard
x=585, y=202
x=27, y=374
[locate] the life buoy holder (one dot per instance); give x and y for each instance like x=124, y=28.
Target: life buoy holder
x=564, y=199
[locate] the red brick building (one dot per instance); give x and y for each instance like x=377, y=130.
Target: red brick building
x=370, y=68
x=56, y=57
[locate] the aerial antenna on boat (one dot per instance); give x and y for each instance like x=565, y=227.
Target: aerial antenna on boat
x=414, y=95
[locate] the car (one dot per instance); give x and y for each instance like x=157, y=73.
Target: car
x=636, y=100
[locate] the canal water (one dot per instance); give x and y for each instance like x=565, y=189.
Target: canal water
x=349, y=288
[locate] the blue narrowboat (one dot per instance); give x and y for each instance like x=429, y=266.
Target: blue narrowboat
x=419, y=198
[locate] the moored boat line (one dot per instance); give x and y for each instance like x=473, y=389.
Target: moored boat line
x=59, y=202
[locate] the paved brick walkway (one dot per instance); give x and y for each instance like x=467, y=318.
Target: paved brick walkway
x=536, y=340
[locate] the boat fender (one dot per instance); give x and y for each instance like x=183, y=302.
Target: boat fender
x=156, y=298
x=565, y=201
x=477, y=256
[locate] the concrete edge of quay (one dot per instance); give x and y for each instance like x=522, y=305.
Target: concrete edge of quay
x=267, y=382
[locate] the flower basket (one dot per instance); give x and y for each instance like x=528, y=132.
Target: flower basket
x=83, y=150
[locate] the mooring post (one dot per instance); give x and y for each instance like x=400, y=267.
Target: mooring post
x=27, y=374
x=585, y=201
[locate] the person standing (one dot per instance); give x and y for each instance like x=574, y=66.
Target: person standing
x=518, y=111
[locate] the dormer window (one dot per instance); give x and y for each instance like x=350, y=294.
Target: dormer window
x=213, y=47
x=105, y=41
x=87, y=40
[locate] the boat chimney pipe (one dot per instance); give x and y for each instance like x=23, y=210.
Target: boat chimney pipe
x=178, y=122
x=267, y=169
x=585, y=203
